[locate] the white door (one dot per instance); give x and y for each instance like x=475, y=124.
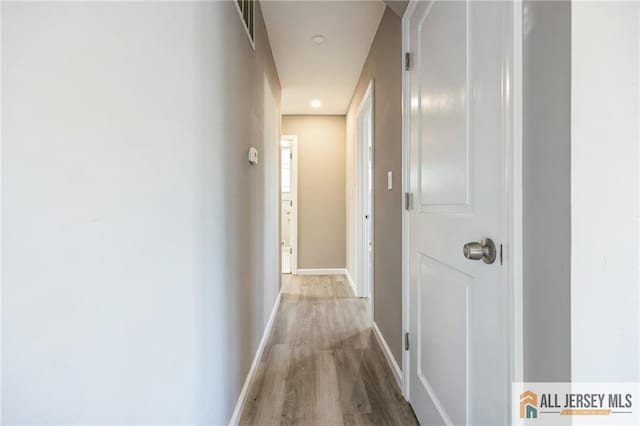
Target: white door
x=285, y=241
x=458, y=308
x=365, y=190
x=288, y=204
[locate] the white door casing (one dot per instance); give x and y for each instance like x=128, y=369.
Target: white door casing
x=289, y=206
x=458, y=127
x=365, y=219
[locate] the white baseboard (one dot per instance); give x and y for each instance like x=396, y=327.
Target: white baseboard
x=244, y=393
x=351, y=282
x=322, y=271
x=395, y=368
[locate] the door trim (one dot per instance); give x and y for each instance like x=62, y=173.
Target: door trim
x=512, y=172
x=514, y=189
x=405, y=108
x=361, y=245
x=293, y=140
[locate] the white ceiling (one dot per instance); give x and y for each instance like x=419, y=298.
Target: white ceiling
x=330, y=71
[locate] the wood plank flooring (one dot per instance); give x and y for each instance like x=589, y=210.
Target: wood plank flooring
x=322, y=364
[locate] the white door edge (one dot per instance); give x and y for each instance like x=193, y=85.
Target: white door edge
x=514, y=231
x=405, y=187
x=365, y=286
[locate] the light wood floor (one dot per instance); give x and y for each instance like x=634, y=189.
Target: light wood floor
x=322, y=364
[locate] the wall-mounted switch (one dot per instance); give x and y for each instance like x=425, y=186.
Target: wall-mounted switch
x=253, y=155
x=390, y=181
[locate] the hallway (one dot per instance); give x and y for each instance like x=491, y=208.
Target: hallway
x=322, y=364
x=319, y=212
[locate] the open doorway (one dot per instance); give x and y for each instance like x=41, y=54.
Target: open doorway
x=364, y=245
x=289, y=204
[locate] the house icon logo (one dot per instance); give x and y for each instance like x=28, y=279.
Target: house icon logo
x=528, y=405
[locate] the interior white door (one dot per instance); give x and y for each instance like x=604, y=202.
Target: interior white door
x=286, y=246
x=288, y=205
x=365, y=185
x=368, y=219
x=458, y=309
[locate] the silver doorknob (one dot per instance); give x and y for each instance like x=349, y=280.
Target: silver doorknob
x=485, y=250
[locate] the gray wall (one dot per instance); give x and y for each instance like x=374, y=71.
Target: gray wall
x=139, y=248
x=547, y=190
x=383, y=65
x=321, y=186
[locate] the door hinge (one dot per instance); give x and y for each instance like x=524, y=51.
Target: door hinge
x=408, y=201
x=407, y=61
x=291, y=155
x=291, y=203
x=407, y=343
x=290, y=250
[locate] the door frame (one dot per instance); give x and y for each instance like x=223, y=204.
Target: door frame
x=366, y=107
x=293, y=140
x=512, y=171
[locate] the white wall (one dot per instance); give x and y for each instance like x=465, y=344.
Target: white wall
x=604, y=184
x=139, y=248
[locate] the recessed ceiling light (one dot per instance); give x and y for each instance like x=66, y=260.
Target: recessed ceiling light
x=318, y=39
x=316, y=103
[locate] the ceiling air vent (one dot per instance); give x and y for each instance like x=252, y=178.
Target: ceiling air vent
x=247, y=9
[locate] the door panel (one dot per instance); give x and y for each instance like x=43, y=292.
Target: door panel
x=458, y=363
x=443, y=328
x=443, y=90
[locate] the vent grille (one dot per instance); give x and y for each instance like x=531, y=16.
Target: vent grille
x=247, y=10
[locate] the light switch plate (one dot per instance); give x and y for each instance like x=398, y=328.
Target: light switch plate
x=253, y=155
x=390, y=181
